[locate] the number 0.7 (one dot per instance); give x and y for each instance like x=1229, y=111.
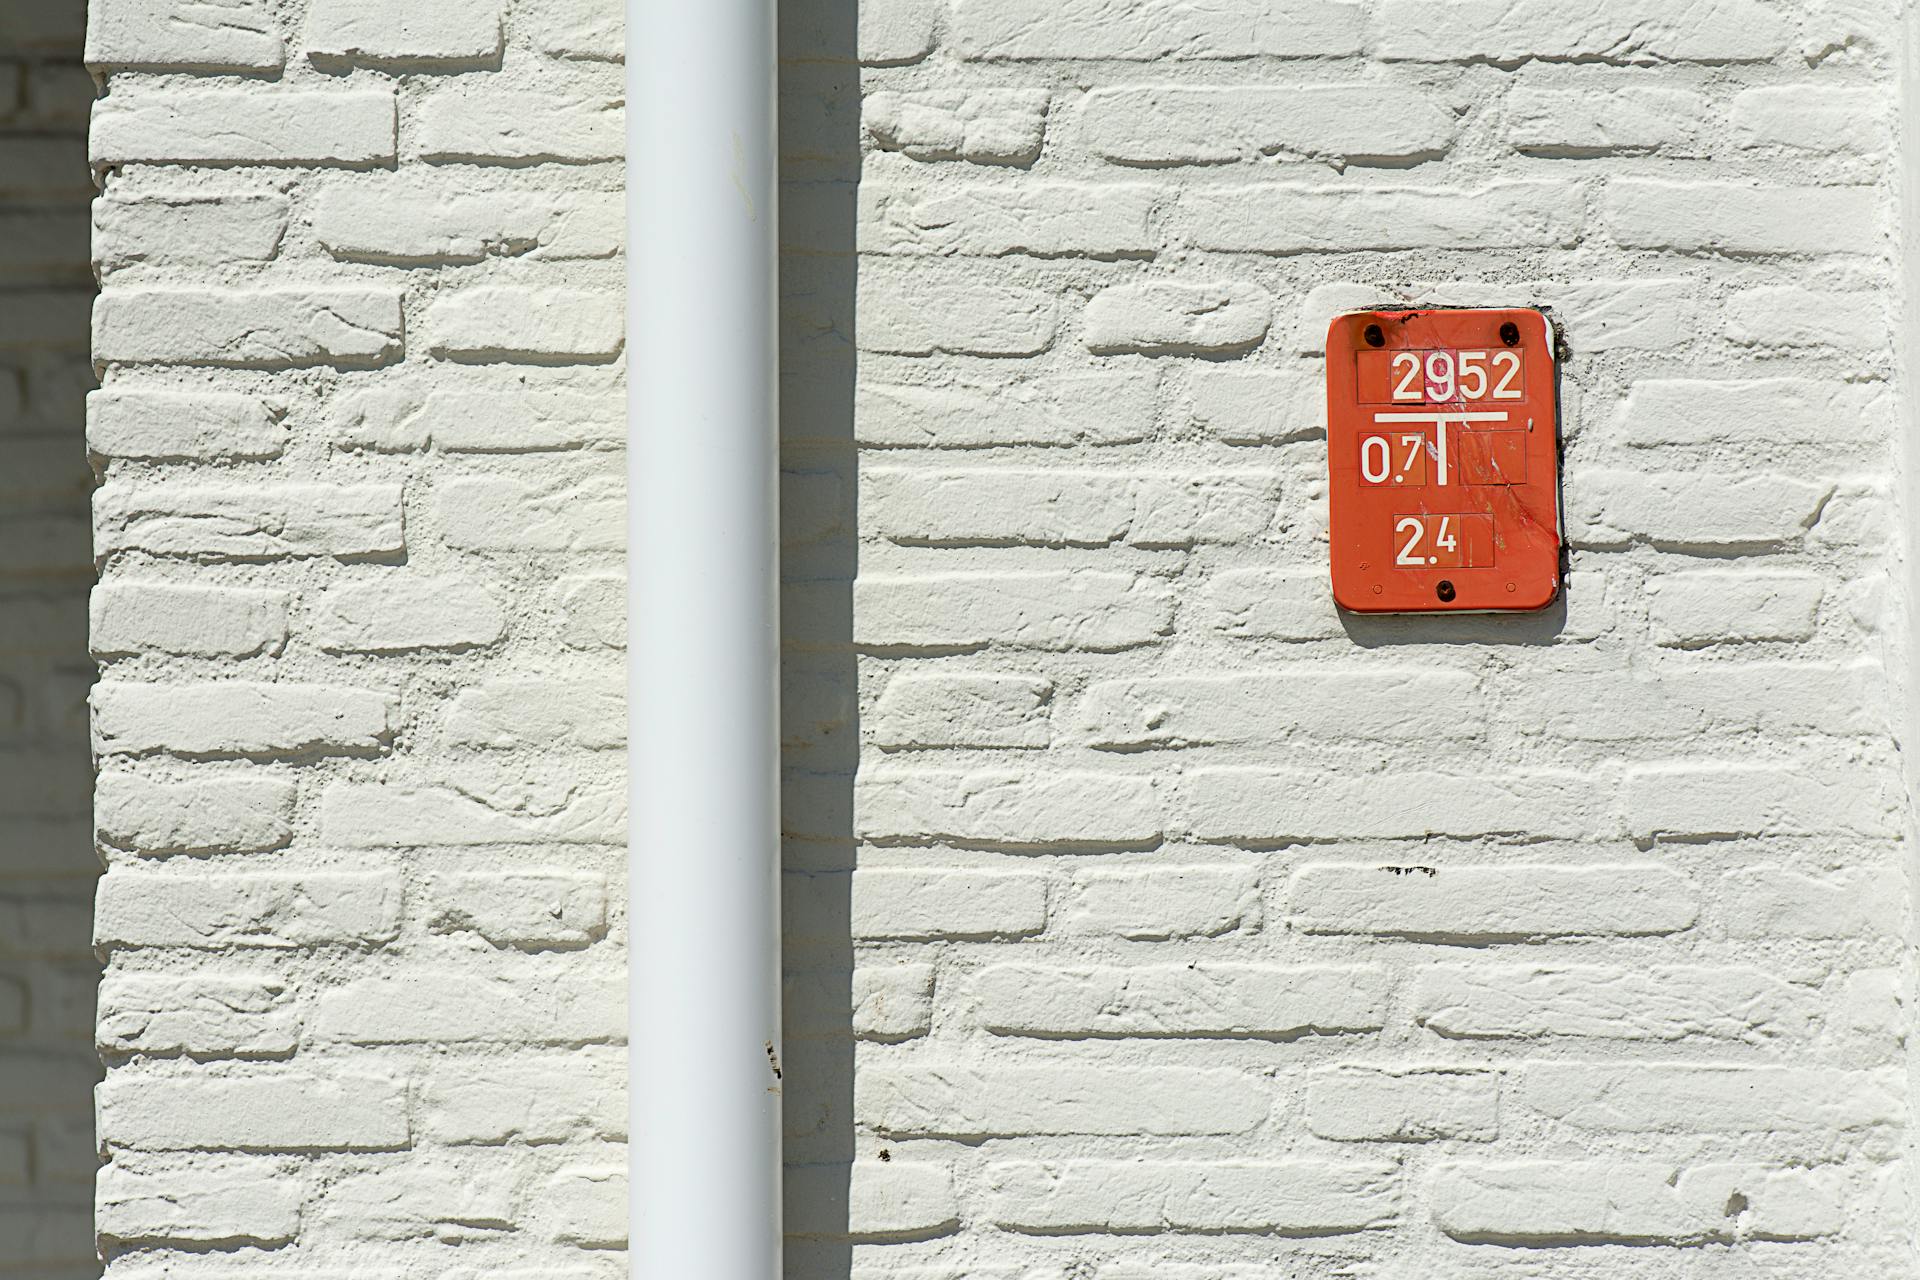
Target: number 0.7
x=1433, y=376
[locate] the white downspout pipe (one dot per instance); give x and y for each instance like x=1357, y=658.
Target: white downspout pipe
x=703, y=662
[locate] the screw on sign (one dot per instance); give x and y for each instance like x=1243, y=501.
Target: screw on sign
x=1444, y=454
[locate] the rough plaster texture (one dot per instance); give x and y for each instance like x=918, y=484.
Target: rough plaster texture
x=1193, y=932
x=47, y=867
x=360, y=539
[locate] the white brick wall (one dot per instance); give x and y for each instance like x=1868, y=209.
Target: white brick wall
x=1198, y=933
x=361, y=797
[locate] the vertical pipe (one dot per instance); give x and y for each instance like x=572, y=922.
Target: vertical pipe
x=1905, y=653
x=703, y=852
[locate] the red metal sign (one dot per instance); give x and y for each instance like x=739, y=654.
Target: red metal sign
x=1444, y=453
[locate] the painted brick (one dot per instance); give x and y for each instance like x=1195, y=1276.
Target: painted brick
x=1003, y=126
x=250, y=910
x=1600, y=1202
x=1061, y=507
x=1765, y=902
x=1356, y=1103
x=1187, y=999
x=415, y=223
x=262, y=522
x=536, y=1099
x=1100, y=612
x=281, y=126
x=1007, y=806
x=222, y=1200
x=221, y=813
x=129, y=618
x=165, y=425
x=1165, y=317
x=1032, y=29
x=449, y=31
x=871, y=1199
x=1691, y=1002
x=521, y=324
x=1812, y=119
x=465, y=1006
x=1168, y=124
x=588, y=30
x=1185, y=711
x=1631, y=31
x=546, y=714
x=1725, y=798
x=901, y=903
x=1626, y=121
x=494, y=809
x=232, y=1016
x=257, y=329
x=1737, y=218
x=1159, y=903
x=1103, y=408
x=431, y=1198
x=1296, y=219
x=1790, y=316
x=499, y=513
x=952, y=1100
x=975, y=710
x=1039, y=218
x=1512, y=902
x=1715, y=1098
x=232, y=36
x=264, y=1110
x=1308, y=1197
x=237, y=718
x=970, y=319
x=1678, y=511
x=186, y=230
x=530, y=909
x=401, y=612
x=1696, y=609
x=1262, y=805
x=462, y=123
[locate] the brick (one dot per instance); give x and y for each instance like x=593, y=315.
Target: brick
x=169, y=229
x=984, y=126
x=1007, y=806
x=448, y=31
x=1063, y=507
x=954, y=1100
x=1284, y=1197
x=547, y=714
x=469, y=1006
x=219, y=1200
x=1270, y=604
x=1190, y=711
x=1663, y=1003
x=127, y=618
x=235, y=35
x=372, y=815
x=586, y=30
x=221, y=813
x=252, y=910
x=249, y=329
x=496, y=513
x=1759, y=417
x=1043, y=29
x=1264, y=805
x=1258, y=218
x=530, y=909
x=1627, y=31
x=902, y=903
x=871, y=1200
x=1092, y=409
x=1743, y=219
x=586, y=1206
x=535, y=1099
x=1171, y=124
x=965, y=319
x=593, y=612
x=1770, y=902
x=271, y=521
x=1042, y=219
x=1165, y=317
x=415, y=223
x=1585, y=123
x=1355, y=1103
x=1247, y=406
x=1679, y=511
x=401, y=612
x=266, y=1110
x=462, y=122
x=1099, y=612
x=1774, y=699
x=1804, y=118
x=1692, y=610
x=891, y=1001
x=235, y=718
x=1791, y=316
x=1513, y=902
x=1724, y=799
x=475, y=417
x=1157, y=903
x=166, y=426
x=255, y=125
x=232, y=1015
x=428, y=1198
x=895, y=31
x=968, y=710
x=1595, y=316
x=526, y=324
x=1211, y=999
x=1633, y=1202
x=1644, y=1097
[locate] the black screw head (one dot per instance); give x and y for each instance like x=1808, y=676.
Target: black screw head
x=1374, y=336
x=1510, y=334
x=1444, y=589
